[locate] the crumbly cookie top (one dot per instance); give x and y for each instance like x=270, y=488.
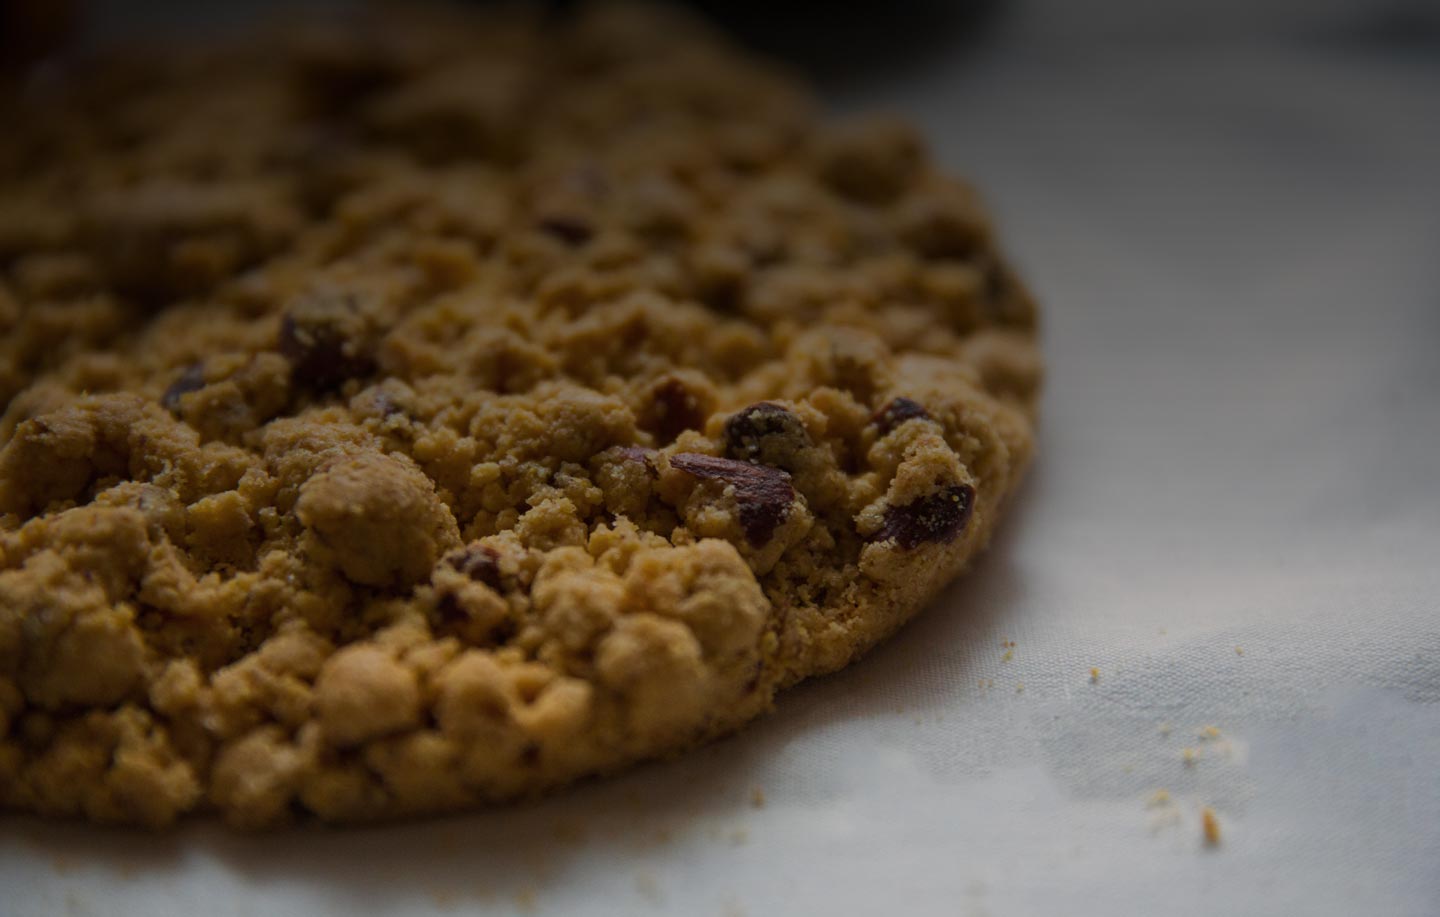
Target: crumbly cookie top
x=445, y=405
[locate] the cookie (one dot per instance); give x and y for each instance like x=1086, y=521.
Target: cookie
x=442, y=407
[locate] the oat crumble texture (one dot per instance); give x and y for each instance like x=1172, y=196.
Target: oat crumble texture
x=434, y=409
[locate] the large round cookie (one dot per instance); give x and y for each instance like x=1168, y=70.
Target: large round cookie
x=443, y=408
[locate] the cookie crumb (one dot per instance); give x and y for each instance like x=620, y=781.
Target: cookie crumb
x=1165, y=729
x=757, y=798
x=1165, y=814
x=1190, y=756
x=1210, y=825
x=1094, y=676
x=1009, y=655
x=1208, y=734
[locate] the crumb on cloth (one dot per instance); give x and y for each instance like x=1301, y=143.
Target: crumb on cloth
x=1210, y=826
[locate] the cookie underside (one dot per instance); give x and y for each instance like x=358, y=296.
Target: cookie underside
x=439, y=408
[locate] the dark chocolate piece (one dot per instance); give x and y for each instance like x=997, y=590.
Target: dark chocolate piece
x=191, y=380
x=938, y=518
x=479, y=562
x=763, y=431
x=313, y=337
x=569, y=226
x=676, y=409
x=896, y=412
x=764, y=494
x=639, y=455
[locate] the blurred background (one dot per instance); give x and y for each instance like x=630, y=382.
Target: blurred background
x=834, y=41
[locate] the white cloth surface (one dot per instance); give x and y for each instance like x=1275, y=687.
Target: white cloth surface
x=1234, y=517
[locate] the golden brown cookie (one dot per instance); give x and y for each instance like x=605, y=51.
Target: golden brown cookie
x=437, y=409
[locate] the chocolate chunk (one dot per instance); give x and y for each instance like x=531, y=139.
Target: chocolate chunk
x=639, y=455
x=723, y=294
x=764, y=494
x=569, y=226
x=320, y=336
x=191, y=380
x=566, y=208
x=896, y=412
x=937, y=518
x=448, y=607
x=479, y=562
x=675, y=409
x=720, y=274
x=454, y=617
x=763, y=432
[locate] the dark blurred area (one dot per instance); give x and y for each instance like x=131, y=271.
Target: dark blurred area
x=843, y=42
x=834, y=43
x=32, y=29
x=830, y=41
